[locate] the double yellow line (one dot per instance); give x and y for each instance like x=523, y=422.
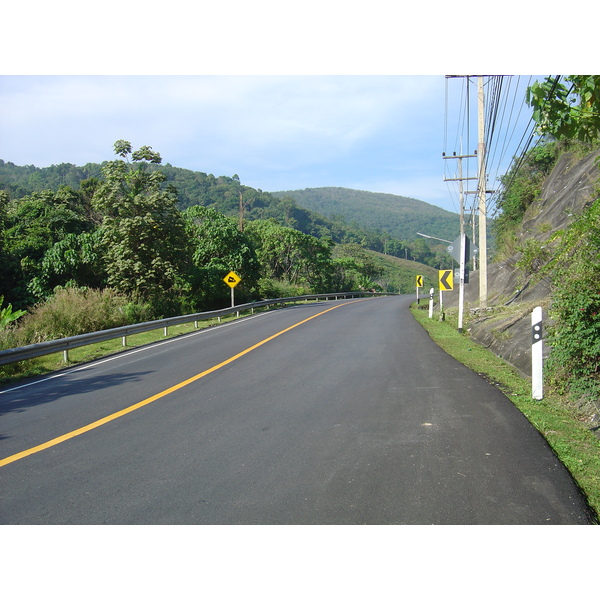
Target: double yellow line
x=134, y=407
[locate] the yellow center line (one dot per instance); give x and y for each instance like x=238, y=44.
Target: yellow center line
x=134, y=407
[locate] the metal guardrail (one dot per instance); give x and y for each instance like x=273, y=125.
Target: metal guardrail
x=65, y=344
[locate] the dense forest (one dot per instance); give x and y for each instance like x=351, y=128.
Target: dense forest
x=399, y=216
x=230, y=197
x=131, y=240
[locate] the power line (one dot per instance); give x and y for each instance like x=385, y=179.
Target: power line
x=520, y=155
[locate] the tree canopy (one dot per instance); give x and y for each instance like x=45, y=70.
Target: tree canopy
x=123, y=230
x=567, y=111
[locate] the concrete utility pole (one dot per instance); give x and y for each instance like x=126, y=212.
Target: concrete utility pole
x=482, y=185
x=463, y=241
x=481, y=191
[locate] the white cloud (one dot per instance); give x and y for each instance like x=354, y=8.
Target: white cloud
x=275, y=132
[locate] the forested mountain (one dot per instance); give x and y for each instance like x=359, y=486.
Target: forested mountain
x=399, y=216
x=381, y=222
x=225, y=194
x=164, y=234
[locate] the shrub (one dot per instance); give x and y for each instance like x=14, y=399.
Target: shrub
x=73, y=311
x=534, y=255
x=575, y=336
x=273, y=288
x=8, y=315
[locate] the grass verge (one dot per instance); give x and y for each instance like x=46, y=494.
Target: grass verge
x=554, y=417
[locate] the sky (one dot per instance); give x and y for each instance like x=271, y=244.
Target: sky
x=374, y=133
x=332, y=95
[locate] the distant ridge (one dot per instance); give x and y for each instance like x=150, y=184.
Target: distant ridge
x=400, y=216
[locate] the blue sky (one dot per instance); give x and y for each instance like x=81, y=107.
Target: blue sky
x=374, y=133
x=325, y=96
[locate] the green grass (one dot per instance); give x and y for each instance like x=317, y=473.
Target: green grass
x=555, y=417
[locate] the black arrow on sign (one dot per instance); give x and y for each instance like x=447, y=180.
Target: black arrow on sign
x=444, y=280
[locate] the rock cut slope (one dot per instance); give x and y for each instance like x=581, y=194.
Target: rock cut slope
x=505, y=327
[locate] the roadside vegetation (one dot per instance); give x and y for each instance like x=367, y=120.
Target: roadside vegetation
x=52, y=363
x=567, y=114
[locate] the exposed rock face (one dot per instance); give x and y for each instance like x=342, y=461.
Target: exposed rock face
x=505, y=327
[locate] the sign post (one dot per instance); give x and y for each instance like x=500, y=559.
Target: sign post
x=462, y=252
x=232, y=279
x=419, y=284
x=446, y=280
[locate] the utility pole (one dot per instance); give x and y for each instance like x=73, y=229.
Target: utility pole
x=482, y=185
x=481, y=190
x=463, y=241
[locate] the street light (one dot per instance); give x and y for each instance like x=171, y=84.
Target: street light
x=461, y=260
x=433, y=238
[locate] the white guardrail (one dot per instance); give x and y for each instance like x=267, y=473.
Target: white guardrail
x=65, y=344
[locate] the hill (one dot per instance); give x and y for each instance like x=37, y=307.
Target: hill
x=398, y=216
x=379, y=222
x=398, y=274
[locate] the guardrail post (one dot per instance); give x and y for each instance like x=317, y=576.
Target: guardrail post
x=65, y=356
x=124, y=341
x=166, y=332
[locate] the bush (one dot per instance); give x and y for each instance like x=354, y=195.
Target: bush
x=534, y=255
x=73, y=311
x=522, y=185
x=574, y=337
x=272, y=288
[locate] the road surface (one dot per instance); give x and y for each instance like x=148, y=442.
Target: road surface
x=339, y=412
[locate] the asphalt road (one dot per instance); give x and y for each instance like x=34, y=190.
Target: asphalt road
x=338, y=412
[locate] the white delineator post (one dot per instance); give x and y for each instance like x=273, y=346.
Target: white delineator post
x=431, y=292
x=537, y=383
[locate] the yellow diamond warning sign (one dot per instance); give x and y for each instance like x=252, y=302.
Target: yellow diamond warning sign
x=232, y=279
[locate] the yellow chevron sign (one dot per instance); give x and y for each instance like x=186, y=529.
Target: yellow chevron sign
x=419, y=280
x=446, y=278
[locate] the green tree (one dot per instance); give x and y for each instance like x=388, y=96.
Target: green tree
x=76, y=260
x=218, y=246
x=291, y=256
x=38, y=221
x=567, y=111
x=33, y=225
x=143, y=231
x=421, y=252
